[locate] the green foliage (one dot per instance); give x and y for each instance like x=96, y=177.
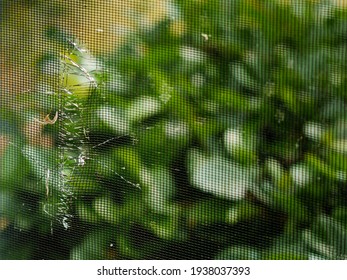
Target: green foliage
x=226, y=140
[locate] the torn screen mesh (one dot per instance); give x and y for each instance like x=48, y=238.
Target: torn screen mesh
x=173, y=129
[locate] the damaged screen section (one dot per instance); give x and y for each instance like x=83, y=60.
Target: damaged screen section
x=60, y=155
x=82, y=91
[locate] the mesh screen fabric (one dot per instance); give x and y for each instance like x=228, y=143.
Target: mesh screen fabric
x=173, y=130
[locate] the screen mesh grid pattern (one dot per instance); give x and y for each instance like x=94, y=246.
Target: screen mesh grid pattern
x=168, y=129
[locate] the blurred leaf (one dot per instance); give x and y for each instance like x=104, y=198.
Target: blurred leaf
x=239, y=253
x=243, y=211
x=321, y=167
x=217, y=175
x=285, y=201
x=12, y=164
x=332, y=233
x=107, y=210
x=340, y=214
x=159, y=186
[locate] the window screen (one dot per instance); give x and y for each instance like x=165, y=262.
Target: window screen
x=162, y=129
